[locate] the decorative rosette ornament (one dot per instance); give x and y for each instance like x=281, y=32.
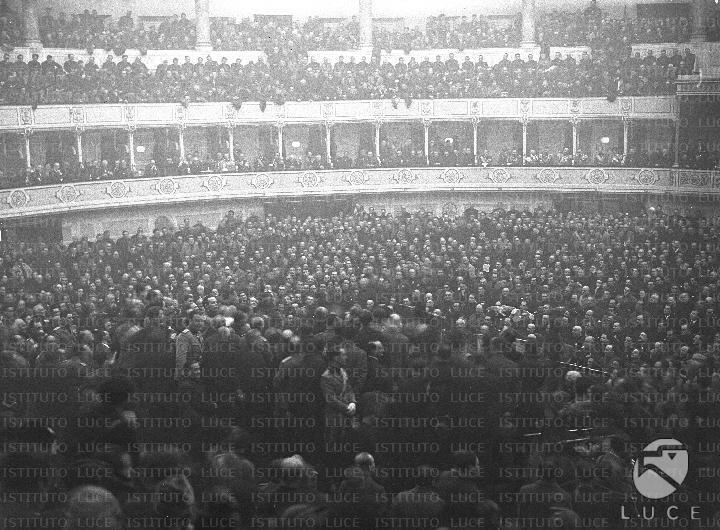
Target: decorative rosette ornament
x=167, y=186
x=68, y=193
x=117, y=189
x=548, y=176
x=597, y=176
x=647, y=177
x=18, y=199
x=262, y=181
x=357, y=178
x=214, y=183
x=404, y=176
x=499, y=175
x=309, y=179
x=451, y=176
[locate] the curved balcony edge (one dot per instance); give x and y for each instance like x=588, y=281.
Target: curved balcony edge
x=112, y=194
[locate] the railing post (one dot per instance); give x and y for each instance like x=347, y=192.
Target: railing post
x=181, y=142
x=574, y=121
x=231, y=141
x=377, y=138
x=280, y=149
x=475, y=123
x=328, y=140
x=131, y=145
x=79, y=143
x=426, y=131
x=26, y=134
x=626, y=133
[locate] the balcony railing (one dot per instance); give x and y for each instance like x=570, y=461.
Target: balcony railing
x=97, y=195
x=84, y=117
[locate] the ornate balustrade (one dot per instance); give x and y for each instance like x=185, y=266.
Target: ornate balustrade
x=102, y=195
x=57, y=117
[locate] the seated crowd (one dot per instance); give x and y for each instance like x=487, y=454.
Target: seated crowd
x=283, y=77
x=89, y=31
x=596, y=29
x=365, y=370
x=589, y=27
x=442, y=154
x=458, y=33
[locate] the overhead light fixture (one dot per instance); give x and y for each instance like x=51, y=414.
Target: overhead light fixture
x=604, y=140
x=295, y=144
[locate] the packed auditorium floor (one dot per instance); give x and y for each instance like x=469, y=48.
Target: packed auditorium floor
x=347, y=371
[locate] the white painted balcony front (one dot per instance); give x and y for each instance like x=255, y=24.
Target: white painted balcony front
x=468, y=182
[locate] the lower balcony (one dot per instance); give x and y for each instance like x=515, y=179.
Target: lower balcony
x=128, y=194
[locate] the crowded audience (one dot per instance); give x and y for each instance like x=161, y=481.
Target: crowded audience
x=365, y=370
x=449, y=152
x=285, y=77
x=445, y=153
x=587, y=27
x=90, y=31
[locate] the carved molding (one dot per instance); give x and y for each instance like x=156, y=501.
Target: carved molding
x=68, y=193
x=26, y=116
x=18, y=199
x=262, y=181
x=547, y=176
x=498, y=175
x=357, y=178
x=597, y=176
x=452, y=176
x=117, y=189
x=693, y=179
x=647, y=177
x=215, y=183
x=98, y=195
x=404, y=176
x=310, y=179
x=100, y=116
x=167, y=186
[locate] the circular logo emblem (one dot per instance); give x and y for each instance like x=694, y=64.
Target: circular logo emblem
x=660, y=468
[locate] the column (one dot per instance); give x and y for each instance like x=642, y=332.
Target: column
x=30, y=23
x=426, y=128
x=699, y=21
x=181, y=142
x=366, y=29
x=677, y=142
x=626, y=133
x=377, y=139
x=524, y=122
x=131, y=147
x=26, y=134
x=574, y=121
x=79, y=144
x=202, y=26
x=475, y=123
x=328, y=142
x=528, y=23
x=280, y=148
x=231, y=142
